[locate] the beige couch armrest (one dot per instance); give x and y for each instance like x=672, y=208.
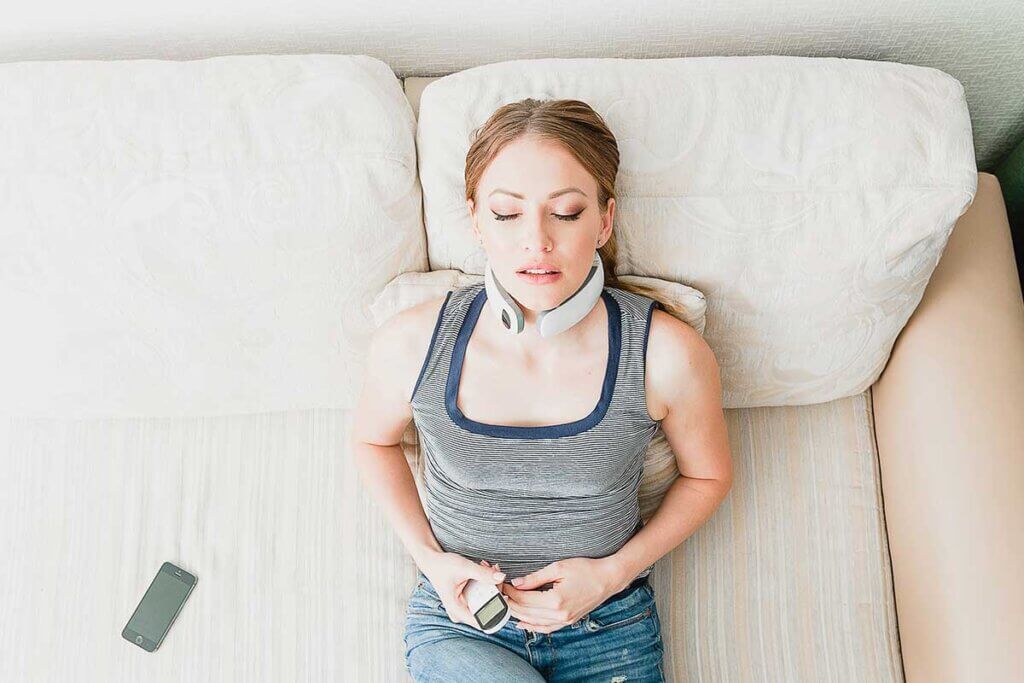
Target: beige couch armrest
x=949, y=423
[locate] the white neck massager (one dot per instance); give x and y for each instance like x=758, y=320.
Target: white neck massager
x=554, y=320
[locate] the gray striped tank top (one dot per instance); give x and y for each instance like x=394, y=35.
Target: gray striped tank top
x=524, y=497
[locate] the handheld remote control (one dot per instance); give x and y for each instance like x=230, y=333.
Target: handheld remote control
x=487, y=605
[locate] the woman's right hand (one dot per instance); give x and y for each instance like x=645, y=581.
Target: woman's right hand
x=449, y=573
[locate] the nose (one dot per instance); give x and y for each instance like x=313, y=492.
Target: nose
x=536, y=235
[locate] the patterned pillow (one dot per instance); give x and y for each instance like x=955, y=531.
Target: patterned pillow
x=808, y=198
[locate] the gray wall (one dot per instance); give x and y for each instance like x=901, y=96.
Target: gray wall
x=980, y=43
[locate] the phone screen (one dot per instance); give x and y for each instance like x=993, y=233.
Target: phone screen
x=159, y=606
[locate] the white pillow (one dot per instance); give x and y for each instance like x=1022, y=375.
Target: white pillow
x=198, y=237
x=809, y=199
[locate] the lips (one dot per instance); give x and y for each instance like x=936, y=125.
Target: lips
x=538, y=266
x=539, y=279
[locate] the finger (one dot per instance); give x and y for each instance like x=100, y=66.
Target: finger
x=536, y=617
x=542, y=599
x=466, y=614
x=456, y=607
x=488, y=574
x=454, y=614
x=534, y=614
x=450, y=612
x=544, y=575
x=497, y=570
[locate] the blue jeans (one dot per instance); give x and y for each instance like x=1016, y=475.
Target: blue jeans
x=620, y=638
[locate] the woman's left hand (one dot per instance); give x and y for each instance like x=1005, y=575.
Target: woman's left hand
x=580, y=585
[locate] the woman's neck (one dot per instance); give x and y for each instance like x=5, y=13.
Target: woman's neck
x=529, y=344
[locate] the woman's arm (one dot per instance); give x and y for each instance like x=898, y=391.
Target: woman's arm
x=683, y=381
x=385, y=472
x=396, y=355
x=382, y=414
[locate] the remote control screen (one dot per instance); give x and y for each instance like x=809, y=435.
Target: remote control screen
x=491, y=608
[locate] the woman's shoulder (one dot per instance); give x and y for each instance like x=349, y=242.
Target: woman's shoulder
x=676, y=356
x=424, y=316
x=407, y=333
x=635, y=305
x=420, y=320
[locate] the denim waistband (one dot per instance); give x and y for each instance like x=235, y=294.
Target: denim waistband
x=633, y=585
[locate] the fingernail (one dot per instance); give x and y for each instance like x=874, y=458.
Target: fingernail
x=517, y=581
x=498, y=576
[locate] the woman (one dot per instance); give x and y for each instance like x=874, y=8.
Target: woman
x=534, y=445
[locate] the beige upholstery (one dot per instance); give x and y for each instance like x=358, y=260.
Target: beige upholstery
x=949, y=411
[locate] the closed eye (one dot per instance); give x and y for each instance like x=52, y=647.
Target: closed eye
x=562, y=217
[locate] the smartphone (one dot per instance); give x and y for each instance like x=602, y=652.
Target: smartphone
x=159, y=606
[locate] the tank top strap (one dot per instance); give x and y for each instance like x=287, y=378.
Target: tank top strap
x=430, y=385
x=637, y=310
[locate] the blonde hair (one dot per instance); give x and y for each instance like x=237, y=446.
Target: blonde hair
x=581, y=131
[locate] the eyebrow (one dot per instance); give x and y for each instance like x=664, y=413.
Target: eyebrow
x=559, y=193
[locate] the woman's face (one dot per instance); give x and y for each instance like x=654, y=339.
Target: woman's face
x=561, y=231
